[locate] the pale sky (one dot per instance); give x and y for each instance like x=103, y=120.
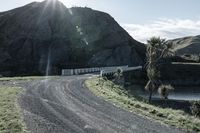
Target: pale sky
x=141, y=18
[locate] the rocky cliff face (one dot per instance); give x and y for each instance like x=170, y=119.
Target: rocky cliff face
x=44, y=37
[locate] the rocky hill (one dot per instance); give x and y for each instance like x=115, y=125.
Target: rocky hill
x=187, y=45
x=46, y=34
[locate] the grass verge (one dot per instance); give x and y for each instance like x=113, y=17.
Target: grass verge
x=25, y=78
x=121, y=98
x=10, y=117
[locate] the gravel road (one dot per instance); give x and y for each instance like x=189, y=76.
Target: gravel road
x=65, y=105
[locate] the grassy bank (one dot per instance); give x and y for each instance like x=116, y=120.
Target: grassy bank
x=25, y=78
x=10, y=117
x=120, y=97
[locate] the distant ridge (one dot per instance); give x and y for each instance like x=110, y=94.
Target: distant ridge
x=187, y=45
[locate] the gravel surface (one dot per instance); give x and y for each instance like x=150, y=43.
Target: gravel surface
x=65, y=105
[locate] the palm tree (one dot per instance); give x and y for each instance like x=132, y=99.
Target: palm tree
x=157, y=49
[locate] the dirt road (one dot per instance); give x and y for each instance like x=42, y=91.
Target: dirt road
x=64, y=105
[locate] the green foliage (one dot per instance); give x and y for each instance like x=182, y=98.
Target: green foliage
x=164, y=90
x=153, y=73
x=157, y=49
x=118, y=76
x=118, y=73
x=25, y=78
x=159, y=43
x=10, y=118
x=195, y=108
x=155, y=41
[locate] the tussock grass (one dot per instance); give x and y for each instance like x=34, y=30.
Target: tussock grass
x=120, y=97
x=10, y=117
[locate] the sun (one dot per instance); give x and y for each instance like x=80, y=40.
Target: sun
x=67, y=3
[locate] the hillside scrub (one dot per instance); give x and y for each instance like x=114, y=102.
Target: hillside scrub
x=121, y=97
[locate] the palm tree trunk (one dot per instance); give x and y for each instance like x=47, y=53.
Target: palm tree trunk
x=150, y=95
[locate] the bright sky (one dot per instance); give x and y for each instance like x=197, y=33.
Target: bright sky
x=141, y=18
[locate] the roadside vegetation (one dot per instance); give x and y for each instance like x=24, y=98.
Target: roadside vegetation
x=10, y=117
x=196, y=108
x=164, y=90
x=113, y=91
x=157, y=50
x=122, y=97
x=24, y=78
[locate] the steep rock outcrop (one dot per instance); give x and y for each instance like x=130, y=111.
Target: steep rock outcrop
x=46, y=34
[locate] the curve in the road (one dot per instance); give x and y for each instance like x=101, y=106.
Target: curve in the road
x=65, y=105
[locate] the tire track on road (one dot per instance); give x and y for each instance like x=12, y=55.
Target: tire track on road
x=65, y=105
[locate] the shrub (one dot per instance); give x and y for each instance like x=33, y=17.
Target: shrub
x=118, y=76
x=164, y=90
x=195, y=108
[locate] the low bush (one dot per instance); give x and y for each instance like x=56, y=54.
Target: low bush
x=164, y=90
x=195, y=108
